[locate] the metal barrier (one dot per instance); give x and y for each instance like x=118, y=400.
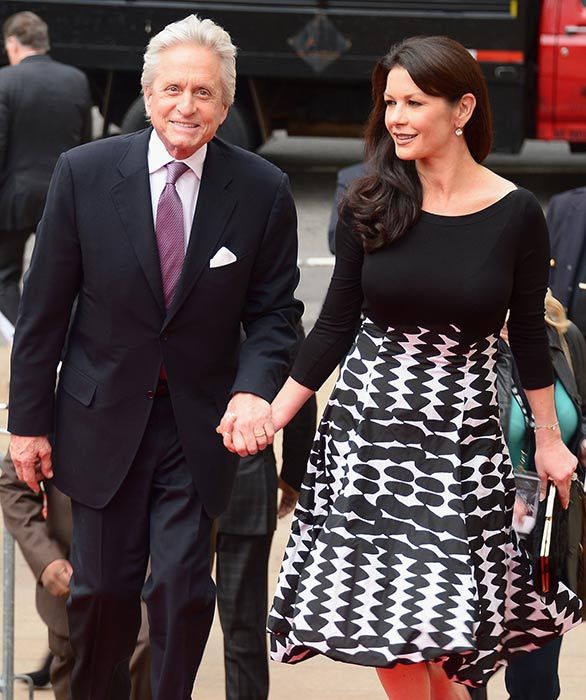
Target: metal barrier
x=8, y=676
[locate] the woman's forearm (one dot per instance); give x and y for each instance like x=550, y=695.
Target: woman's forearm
x=546, y=427
x=288, y=401
x=553, y=460
x=543, y=409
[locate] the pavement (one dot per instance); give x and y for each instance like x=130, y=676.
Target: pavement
x=316, y=679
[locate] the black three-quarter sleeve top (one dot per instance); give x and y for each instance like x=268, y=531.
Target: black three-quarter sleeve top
x=464, y=271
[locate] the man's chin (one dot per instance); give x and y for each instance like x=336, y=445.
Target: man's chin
x=183, y=148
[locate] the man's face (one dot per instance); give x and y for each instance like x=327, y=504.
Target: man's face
x=184, y=102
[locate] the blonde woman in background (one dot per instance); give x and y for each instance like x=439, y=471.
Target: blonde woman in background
x=534, y=676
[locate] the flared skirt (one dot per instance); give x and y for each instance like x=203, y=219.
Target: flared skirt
x=401, y=548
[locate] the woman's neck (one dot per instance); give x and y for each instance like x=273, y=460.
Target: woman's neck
x=445, y=179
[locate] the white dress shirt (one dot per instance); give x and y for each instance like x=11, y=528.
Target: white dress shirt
x=187, y=185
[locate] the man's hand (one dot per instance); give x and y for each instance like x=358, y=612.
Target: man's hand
x=246, y=426
x=55, y=577
x=32, y=459
x=288, y=499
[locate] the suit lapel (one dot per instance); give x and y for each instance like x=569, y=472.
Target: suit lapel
x=572, y=222
x=215, y=204
x=132, y=198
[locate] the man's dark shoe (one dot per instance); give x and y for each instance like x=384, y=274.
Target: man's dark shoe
x=41, y=678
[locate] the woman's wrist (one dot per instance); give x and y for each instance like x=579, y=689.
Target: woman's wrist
x=546, y=426
x=547, y=437
x=278, y=418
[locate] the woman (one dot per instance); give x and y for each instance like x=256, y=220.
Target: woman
x=534, y=676
x=401, y=555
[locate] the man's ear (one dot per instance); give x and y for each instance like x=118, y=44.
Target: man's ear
x=226, y=110
x=147, y=94
x=11, y=44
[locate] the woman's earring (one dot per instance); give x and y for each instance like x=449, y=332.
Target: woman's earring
x=458, y=132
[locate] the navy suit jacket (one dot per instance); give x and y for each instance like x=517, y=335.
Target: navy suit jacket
x=344, y=179
x=96, y=243
x=566, y=220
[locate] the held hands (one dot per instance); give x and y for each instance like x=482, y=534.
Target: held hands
x=246, y=426
x=554, y=462
x=32, y=459
x=55, y=577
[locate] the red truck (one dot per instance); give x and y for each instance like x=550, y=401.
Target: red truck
x=561, y=69
x=305, y=66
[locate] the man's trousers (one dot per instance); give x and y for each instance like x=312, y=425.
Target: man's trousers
x=12, y=244
x=241, y=573
x=158, y=511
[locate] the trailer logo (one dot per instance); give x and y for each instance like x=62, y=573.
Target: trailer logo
x=319, y=43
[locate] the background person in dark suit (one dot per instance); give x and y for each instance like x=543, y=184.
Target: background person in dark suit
x=343, y=180
x=44, y=539
x=566, y=221
x=44, y=110
x=170, y=240
x=243, y=544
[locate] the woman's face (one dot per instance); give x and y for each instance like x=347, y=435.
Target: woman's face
x=422, y=126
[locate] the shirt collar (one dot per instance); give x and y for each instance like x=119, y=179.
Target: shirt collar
x=158, y=156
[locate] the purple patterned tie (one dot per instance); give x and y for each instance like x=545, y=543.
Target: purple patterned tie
x=170, y=230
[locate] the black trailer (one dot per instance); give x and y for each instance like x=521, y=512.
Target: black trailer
x=302, y=66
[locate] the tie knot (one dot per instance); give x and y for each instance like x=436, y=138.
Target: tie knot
x=175, y=170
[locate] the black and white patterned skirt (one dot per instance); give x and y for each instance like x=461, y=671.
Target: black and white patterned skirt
x=401, y=549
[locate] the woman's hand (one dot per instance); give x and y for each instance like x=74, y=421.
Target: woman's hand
x=554, y=462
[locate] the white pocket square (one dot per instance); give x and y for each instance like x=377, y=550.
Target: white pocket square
x=223, y=257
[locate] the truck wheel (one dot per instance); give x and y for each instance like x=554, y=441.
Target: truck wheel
x=577, y=147
x=135, y=119
x=240, y=128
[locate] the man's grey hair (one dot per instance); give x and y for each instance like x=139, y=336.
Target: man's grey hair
x=29, y=30
x=202, y=32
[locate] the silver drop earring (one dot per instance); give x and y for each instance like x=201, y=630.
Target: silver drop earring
x=458, y=132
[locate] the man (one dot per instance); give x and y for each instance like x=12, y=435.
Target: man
x=153, y=356
x=41, y=524
x=344, y=179
x=44, y=110
x=243, y=545
x=566, y=220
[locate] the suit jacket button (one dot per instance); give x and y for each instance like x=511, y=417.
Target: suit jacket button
x=164, y=336
x=150, y=394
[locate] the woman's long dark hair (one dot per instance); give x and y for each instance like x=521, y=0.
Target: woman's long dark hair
x=385, y=203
